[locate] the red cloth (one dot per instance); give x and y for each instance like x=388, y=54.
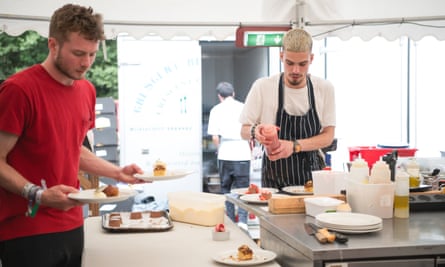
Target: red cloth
x=51, y=121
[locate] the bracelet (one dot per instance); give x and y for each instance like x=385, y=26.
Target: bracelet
x=252, y=131
x=26, y=189
x=39, y=196
x=297, y=146
x=32, y=192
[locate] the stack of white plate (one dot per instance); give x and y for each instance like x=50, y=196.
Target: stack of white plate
x=349, y=222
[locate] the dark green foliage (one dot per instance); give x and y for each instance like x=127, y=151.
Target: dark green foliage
x=19, y=52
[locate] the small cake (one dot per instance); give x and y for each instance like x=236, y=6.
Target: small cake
x=244, y=253
x=253, y=189
x=136, y=215
x=309, y=186
x=159, y=168
x=114, y=220
x=111, y=191
x=265, y=195
x=156, y=214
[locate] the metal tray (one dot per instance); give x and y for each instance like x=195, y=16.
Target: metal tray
x=420, y=188
x=151, y=221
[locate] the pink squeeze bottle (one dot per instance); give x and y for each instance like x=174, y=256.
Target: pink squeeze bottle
x=271, y=134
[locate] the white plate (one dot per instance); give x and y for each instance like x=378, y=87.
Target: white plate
x=87, y=196
x=243, y=191
x=348, y=220
x=296, y=190
x=356, y=231
x=231, y=258
x=253, y=198
x=170, y=175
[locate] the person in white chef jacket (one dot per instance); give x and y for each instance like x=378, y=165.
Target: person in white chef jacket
x=234, y=153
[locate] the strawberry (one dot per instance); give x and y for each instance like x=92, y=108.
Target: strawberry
x=220, y=227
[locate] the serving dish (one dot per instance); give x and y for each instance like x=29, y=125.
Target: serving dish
x=149, y=221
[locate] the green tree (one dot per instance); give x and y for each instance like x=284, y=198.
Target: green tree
x=19, y=52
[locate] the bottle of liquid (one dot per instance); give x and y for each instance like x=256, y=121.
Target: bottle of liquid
x=413, y=170
x=359, y=171
x=271, y=133
x=401, y=195
x=380, y=173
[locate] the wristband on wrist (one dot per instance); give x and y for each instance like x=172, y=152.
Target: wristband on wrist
x=26, y=189
x=39, y=196
x=32, y=193
x=252, y=131
x=297, y=146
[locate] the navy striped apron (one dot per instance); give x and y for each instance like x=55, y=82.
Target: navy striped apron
x=296, y=169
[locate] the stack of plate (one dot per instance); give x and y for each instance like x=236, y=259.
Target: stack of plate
x=349, y=222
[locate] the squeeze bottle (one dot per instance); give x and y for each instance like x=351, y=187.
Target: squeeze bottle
x=401, y=195
x=271, y=134
x=359, y=170
x=380, y=173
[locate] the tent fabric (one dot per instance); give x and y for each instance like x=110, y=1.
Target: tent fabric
x=166, y=19
x=367, y=19
x=218, y=20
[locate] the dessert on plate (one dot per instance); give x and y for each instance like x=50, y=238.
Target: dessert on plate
x=159, y=168
x=245, y=253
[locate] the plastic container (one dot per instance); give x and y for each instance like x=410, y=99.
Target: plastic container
x=359, y=170
x=196, y=207
x=326, y=182
x=220, y=236
x=373, y=199
x=380, y=173
x=317, y=205
x=401, y=195
x=372, y=153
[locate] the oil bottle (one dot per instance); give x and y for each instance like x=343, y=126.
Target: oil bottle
x=401, y=195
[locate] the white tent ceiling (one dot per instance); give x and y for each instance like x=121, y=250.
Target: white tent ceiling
x=165, y=18
x=369, y=18
x=218, y=20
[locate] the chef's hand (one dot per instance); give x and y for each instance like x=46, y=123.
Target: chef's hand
x=259, y=129
x=285, y=150
x=126, y=174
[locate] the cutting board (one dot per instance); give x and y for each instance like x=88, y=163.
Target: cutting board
x=284, y=204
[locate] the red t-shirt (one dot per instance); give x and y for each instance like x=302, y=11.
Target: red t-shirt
x=51, y=121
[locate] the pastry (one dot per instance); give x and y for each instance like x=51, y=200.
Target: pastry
x=308, y=186
x=111, y=191
x=265, y=195
x=114, y=220
x=245, y=253
x=136, y=215
x=253, y=189
x=156, y=214
x=159, y=168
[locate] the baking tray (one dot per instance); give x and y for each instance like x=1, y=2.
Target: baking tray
x=149, y=221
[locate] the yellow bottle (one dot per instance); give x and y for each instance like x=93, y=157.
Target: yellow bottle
x=401, y=195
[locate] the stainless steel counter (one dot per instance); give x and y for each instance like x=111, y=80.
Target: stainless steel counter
x=416, y=241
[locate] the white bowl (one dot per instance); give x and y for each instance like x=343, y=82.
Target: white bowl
x=317, y=205
x=220, y=236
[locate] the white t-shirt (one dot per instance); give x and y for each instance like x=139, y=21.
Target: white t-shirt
x=223, y=121
x=262, y=101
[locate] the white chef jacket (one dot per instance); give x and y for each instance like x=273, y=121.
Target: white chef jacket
x=223, y=121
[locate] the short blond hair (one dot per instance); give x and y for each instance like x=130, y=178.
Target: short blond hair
x=297, y=40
